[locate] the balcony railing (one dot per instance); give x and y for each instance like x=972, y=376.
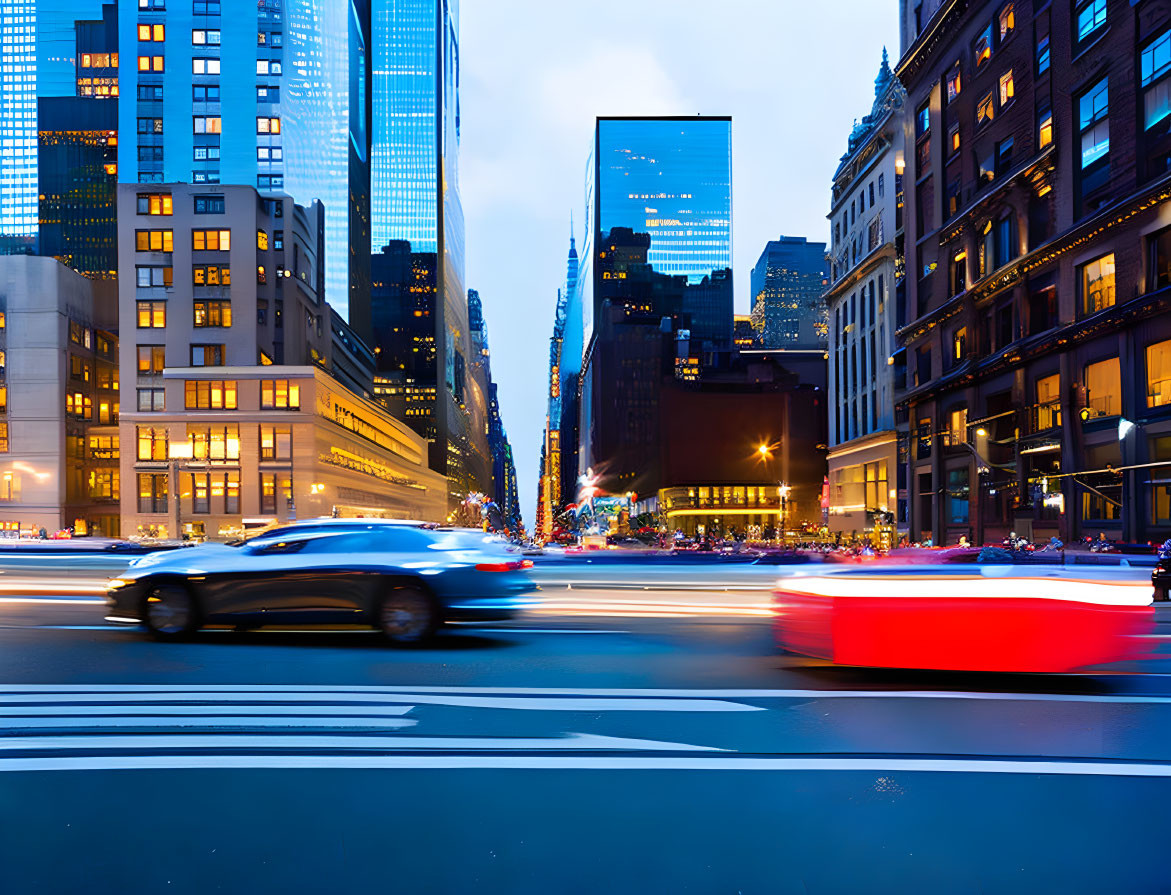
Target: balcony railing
x=1045, y=416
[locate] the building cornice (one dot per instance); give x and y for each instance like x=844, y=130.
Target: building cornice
x=885, y=252
x=942, y=27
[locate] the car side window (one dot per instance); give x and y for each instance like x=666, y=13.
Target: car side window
x=277, y=548
x=372, y=540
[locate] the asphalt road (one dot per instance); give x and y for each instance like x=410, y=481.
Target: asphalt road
x=616, y=740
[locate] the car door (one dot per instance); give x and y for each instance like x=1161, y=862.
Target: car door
x=255, y=581
x=327, y=582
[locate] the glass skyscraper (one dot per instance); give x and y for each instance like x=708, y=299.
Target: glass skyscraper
x=415, y=197
x=271, y=94
x=672, y=179
x=18, y=124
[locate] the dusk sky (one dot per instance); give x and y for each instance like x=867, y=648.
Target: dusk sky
x=534, y=76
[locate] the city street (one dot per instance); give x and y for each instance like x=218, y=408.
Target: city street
x=617, y=742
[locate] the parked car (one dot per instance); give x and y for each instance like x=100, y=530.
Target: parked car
x=405, y=579
x=1161, y=577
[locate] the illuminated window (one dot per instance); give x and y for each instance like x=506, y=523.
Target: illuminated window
x=262, y=240
x=1006, y=20
x=1097, y=281
x=954, y=85
x=206, y=124
x=276, y=443
x=1155, y=65
x=985, y=109
x=1159, y=374
x=280, y=394
x=1091, y=15
x=152, y=443
x=204, y=37
x=151, y=359
x=1094, y=123
x=205, y=66
x=211, y=240
x=1045, y=128
x=982, y=50
x=1104, y=387
x=953, y=138
x=211, y=275
x=213, y=313
x=154, y=240
x=221, y=443
x=150, y=63
x=1042, y=54
x=152, y=314
x=152, y=492
x=268, y=125
x=1007, y=90
x=210, y=394
x=155, y=203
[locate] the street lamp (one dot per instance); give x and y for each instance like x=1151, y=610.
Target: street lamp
x=176, y=451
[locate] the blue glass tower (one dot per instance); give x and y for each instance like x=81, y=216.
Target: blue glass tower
x=415, y=189
x=271, y=94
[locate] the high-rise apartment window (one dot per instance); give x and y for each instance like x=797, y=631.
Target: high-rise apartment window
x=103, y=485
x=150, y=125
x=150, y=63
x=1159, y=251
x=1007, y=90
x=151, y=359
x=154, y=241
x=151, y=399
x=1097, y=281
x=155, y=203
x=205, y=37
x=268, y=94
x=954, y=83
x=1048, y=403
x=152, y=443
x=262, y=240
x=1004, y=157
x=212, y=313
x=1006, y=20
x=211, y=240
x=205, y=93
x=207, y=355
x=1104, y=387
x=210, y=394
x=217, y=443
x=150, y=93
x=1044, y=127
x=205, y=66
x=958, y=492
x=923, y=120
x=278, y=240
x=1043, y=54
x=265, y=125
x=276, y=443
x=155, y=33
x=152, y=314
x=982, y=48
x=153, y=276
x=206, y=124
x=261, y=275
x=959, y=272
x=1155, y=66
x=206, y=7
x=985, y=109
x=267, y=67
x=959, y=345
x=211, y=275
x=1159, y=374
x=1094, y=122
x=1090, y=16
x=200, y=490
x=209, y=204
x=280, y=394
x=152, y=492
x=207, y=153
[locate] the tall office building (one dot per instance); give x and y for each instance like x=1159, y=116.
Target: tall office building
x=786, y=288
x=660, y=195
x=271, y=95
x=18, y=126
x=415, y=184
x=77, y=150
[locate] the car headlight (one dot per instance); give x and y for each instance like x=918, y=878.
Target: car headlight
x=115, y=583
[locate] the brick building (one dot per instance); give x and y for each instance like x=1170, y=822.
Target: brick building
x=1033, y=382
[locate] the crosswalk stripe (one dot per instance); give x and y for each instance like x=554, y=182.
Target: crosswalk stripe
x=63, y=722
x=227, y=710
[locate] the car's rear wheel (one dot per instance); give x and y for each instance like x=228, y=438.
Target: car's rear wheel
x=408, y=615
x=170, y=612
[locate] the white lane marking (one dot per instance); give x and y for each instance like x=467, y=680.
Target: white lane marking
x=369, y=743
x=584, y=763
x=560, y=694
x=227, y=710
x=120, y=628
x=63, y=601
x=540, y=630
x=70, y=722
x=527, y=703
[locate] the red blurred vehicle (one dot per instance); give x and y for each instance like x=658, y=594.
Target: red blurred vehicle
x=963, y=622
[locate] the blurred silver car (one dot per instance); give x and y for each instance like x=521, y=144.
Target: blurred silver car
x=405, y=579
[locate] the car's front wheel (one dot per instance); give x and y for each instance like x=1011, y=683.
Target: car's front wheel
x=170, y=612
x=408, y=615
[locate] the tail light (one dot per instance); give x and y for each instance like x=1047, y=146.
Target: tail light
x=514, y=566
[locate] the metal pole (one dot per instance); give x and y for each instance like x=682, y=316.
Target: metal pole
x=175, y=498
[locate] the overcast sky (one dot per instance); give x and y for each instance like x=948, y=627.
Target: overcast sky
x=535, y=73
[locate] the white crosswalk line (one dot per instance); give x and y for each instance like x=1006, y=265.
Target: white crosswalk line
x=70, y=722
x=152, y=743
x=227, y=710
